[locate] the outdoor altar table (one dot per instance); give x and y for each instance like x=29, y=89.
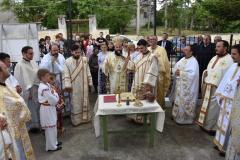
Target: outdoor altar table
x=102, y=110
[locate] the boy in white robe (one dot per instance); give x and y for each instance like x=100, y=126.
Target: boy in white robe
x=48, y=98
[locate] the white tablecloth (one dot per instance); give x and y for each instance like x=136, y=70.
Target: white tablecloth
x=102, y=108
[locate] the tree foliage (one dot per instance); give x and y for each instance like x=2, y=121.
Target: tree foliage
x=116, y=19
x=112, y=14
x=213, y=15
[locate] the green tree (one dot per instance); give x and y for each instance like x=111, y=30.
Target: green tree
x=112, y=14
x=224, y=14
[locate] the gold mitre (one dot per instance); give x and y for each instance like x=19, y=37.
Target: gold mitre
x=118, y=42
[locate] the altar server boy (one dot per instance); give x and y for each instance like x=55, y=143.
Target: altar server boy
x=48, y=99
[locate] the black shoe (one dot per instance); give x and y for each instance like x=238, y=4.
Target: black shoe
x=212, y=133
x=222, y=154
x=58, y=148
x=34, y=130
x=215, y=147
x=59, y=144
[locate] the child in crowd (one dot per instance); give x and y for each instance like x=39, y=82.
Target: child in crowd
x=60, y=105
x=48, y=98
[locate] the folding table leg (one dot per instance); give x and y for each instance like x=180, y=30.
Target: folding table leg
x=105, y=132
x=152, y=129
x=145, y=121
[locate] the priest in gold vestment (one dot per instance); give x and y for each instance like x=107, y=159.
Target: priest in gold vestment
x=15, y=142
x=211, y=78
x=115, y=66
x=77, y=80
x=164, y=78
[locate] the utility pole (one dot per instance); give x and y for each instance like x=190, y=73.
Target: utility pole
x=69, y=28
x=155, y=17
x=70, y=18
x=138, y=16
x=165, y=15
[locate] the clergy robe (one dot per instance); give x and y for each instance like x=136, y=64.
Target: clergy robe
x=77, y=76
x=17, y=114
x=26, y=74
x=164, y=78
x=55, y=67
x=186, y=90
x=225, y=94
x=233, y=149
x=2, y=148
x=6, y=148
x=210, y=109
x=134, y=57
x=12, y=82
x=116, y=68
x=146, y=72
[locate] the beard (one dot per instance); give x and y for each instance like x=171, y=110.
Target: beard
x=146, y=52
x=118, y=53
x=76, y=56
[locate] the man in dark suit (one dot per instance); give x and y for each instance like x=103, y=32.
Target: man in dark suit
x=166, y=44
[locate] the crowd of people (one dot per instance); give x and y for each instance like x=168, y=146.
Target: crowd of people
x=35, y=96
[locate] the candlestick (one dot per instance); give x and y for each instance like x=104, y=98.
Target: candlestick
x=119, y=97
x=138, y=103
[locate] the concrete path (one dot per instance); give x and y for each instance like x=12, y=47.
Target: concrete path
x=176, y=142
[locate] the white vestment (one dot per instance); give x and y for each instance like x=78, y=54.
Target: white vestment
x=12, y=82
x=26, y=74
x=186, y=90
x=116, y=68
x=233, y=149
x=209, y=112
x=48, y=98
x=146, y=72
x=2, y=151
x=55, y=67
x=78, y=77
x=225, y=94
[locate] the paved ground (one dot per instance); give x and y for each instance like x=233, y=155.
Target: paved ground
x=175, y=143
